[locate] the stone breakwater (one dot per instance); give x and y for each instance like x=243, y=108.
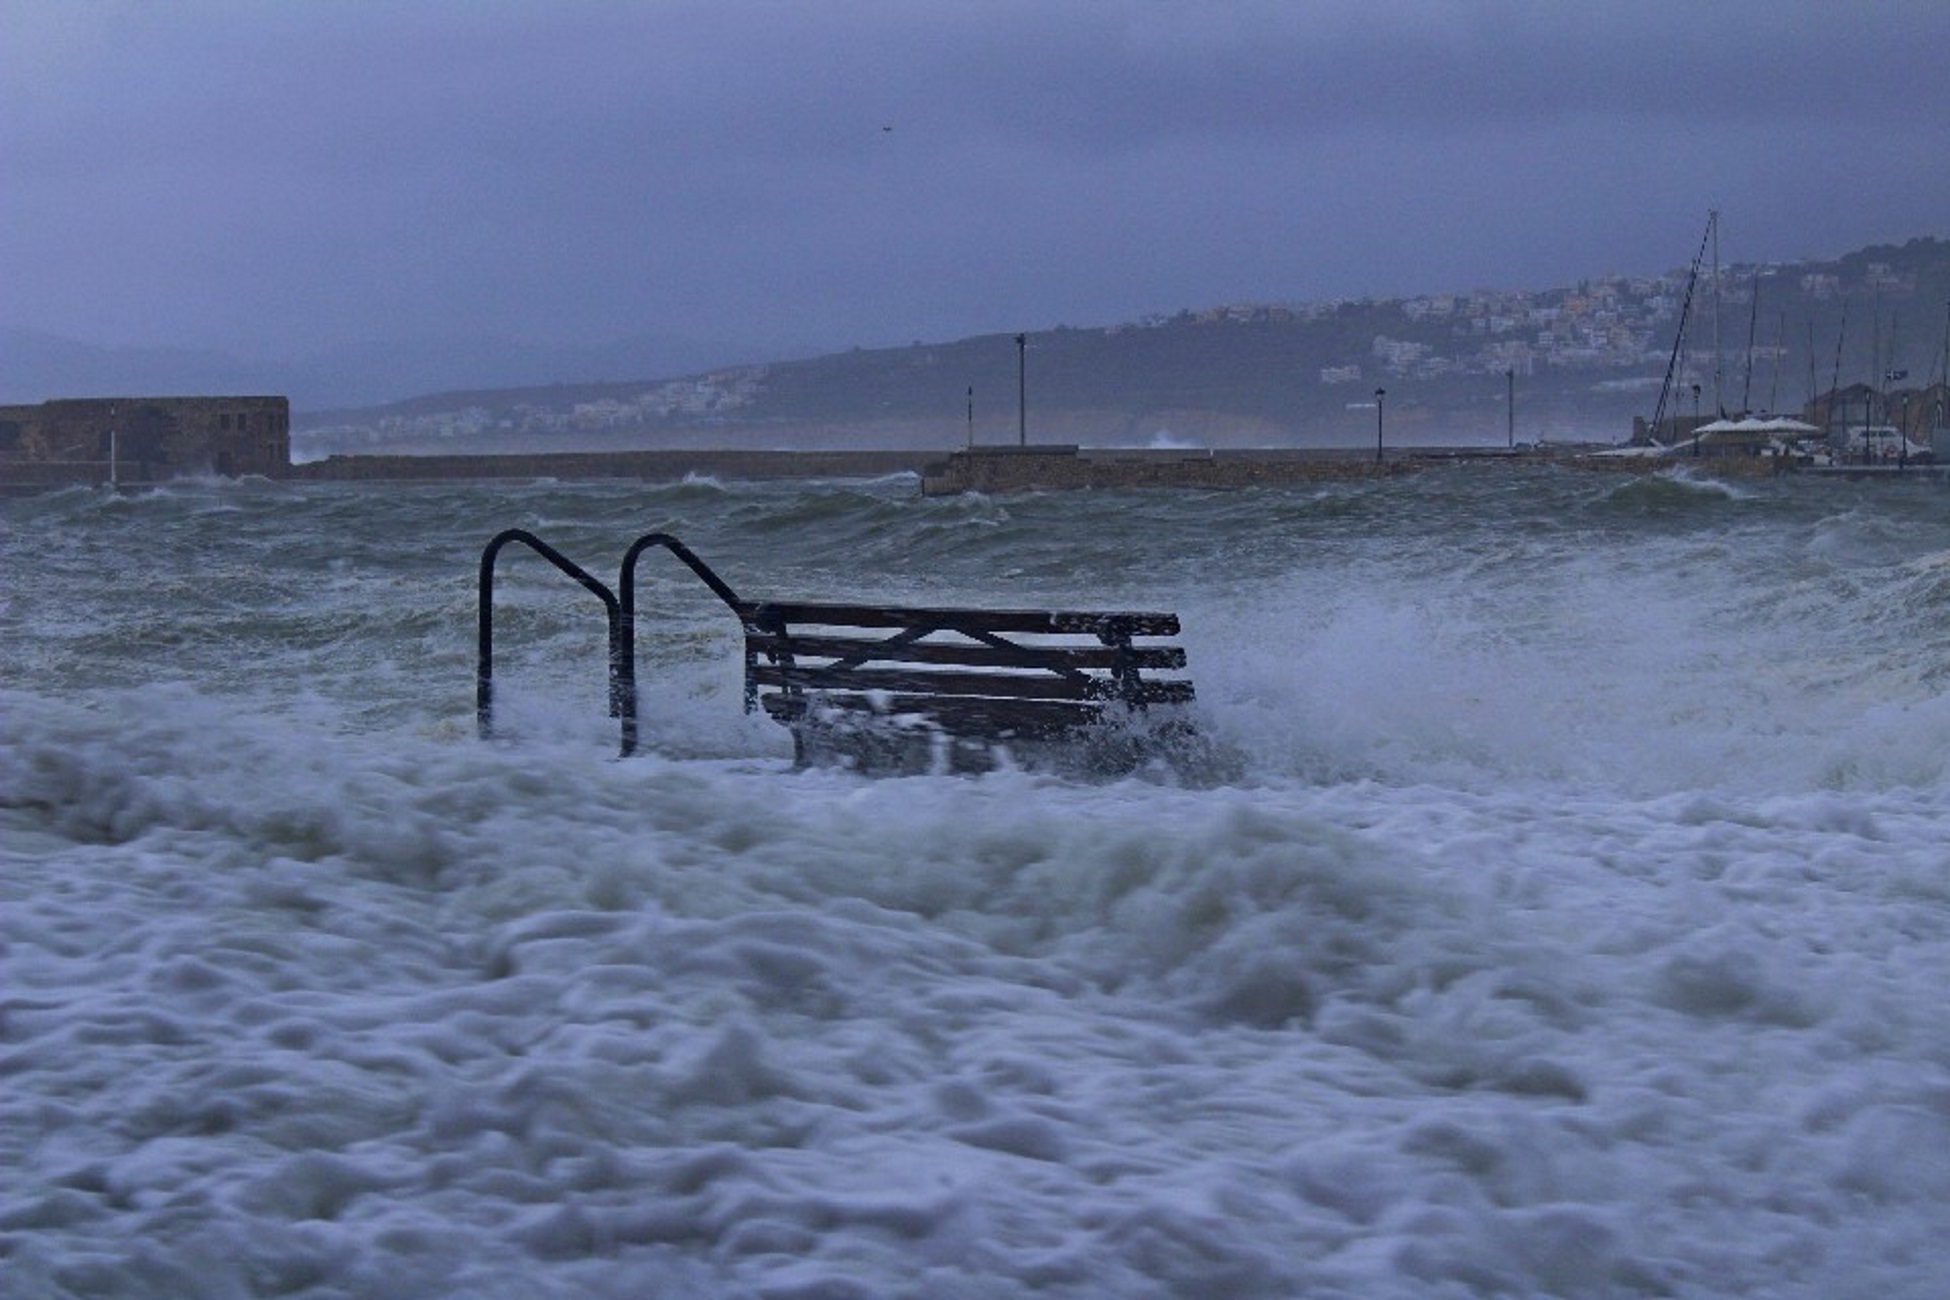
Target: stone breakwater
x=651, y=466
x=993, y=470
x=998, y=469
x=1050, y=468
x=981, y=469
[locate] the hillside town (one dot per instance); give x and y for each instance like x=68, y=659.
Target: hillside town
x=1848, y=360
x=1589, y=361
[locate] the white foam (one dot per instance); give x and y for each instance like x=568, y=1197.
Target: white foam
x=1573, y=923
x=301, y=1010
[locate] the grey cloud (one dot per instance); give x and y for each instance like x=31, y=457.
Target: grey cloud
x=302, y=175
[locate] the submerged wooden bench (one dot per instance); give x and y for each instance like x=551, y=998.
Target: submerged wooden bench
x=883, y=685
x=887, y=686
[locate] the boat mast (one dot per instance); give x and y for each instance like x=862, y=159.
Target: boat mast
x=1875, y=354
x=1753, y=319
x=1813, y=391
x=1719, y=398
x=1835, y=380
x=1943, y=372
x=1679, y=335
x=1780, y=350
x=1889, y=369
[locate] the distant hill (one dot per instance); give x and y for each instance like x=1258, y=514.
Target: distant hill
x=1582, y=359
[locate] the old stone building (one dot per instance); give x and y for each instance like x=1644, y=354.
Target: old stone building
x=136, y=440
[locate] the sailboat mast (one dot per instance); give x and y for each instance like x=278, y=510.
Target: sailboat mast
x=1719, y=397
x=1835, y=382
x=1780, y=350
x=1875, y=352
x=1813, y=391
x=1753, y=319
x=1679, y=336
x=1889, y=370
x=1943, y=373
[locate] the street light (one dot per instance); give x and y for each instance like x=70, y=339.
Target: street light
x=1902, y=438
x=1510, y=377
x=1380, y=394
x=1022, y=390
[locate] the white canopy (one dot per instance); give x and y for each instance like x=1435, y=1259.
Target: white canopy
x=1785, y=424
x=1754, y=425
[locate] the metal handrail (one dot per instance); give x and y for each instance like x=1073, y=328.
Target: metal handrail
x=625, y=684
x=621, y=612
x=484, y=670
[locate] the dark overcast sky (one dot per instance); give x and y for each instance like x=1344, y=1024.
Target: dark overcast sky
x=273, y=176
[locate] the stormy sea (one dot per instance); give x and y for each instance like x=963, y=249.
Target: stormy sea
x=1564, y=908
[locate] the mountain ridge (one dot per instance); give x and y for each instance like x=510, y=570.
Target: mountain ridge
x=1580, y=361
x=1570, y=361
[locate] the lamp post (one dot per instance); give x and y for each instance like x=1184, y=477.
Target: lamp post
x=1022, y=390
x=1510, y=377
x=971, y=417
x=1380, y=395
x=1695, y=419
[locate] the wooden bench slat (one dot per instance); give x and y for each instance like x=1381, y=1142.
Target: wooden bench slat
x=1034, y=686
x=770, y=615
x=1056, y=658
x=855, y=679
x=1002, y=719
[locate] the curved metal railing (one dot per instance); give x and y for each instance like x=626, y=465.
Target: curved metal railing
x=625, y=685
x=620, y=611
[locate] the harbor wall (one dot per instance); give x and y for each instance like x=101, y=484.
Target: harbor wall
x=67, y=443
x=663, y=465
x=1055, y=468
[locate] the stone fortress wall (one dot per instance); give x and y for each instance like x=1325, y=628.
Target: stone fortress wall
x=138, y=440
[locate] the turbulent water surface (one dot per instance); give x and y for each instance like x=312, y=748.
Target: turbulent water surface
x=1567, y=911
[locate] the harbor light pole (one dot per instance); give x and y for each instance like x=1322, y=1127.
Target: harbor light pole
x=971, y=417
x=1022, y=390
x=1695, y=419
x=1380, y=394
x=1510, y=377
